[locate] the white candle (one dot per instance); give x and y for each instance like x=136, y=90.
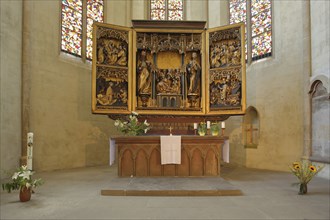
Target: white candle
x=195, y=126
x=223, y=125
x=29, y=150
x=208, y=124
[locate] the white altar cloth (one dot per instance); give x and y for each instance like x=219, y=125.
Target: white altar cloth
x=170, y=149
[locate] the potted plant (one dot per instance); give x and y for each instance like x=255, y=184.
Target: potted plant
x=22, y=181
x=304, y=171
x=202, y=129
x=215, y=129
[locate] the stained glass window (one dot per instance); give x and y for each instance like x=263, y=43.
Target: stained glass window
x=259, y=33
x=94, y=13
x=166, y=9
x=74, y=13
x=72, y=26
x=261, y=28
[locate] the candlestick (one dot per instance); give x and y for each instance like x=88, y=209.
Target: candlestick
x=222, y=131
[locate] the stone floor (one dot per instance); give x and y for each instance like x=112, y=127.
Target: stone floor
x=75, y=194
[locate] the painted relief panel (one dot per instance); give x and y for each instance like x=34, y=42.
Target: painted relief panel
x=168, y=72
x=111, y=69
x=226, y=67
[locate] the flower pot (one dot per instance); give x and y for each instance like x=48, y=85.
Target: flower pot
x=25, y=194
x=303, y=188
x=215, y=133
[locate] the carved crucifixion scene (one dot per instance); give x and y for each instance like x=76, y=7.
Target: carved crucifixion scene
x=225, y=72
x=112, y=71
x=168, y=71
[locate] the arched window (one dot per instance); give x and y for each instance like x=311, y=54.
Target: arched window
x=257, y=16
x=77, y=20
x=166, y=9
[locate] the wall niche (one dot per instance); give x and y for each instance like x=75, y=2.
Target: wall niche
x=251, y=128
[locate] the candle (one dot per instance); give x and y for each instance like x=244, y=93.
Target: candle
x=195, y=126
x=29, y=150
x=223, y=125
x=208, y=124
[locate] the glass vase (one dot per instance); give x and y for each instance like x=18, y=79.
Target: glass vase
x=303, y=189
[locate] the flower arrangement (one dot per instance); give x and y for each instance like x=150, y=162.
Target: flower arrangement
x=202, y=128
x=215, y=129
x=132, y=126
x=22, y=179
x=304, y=171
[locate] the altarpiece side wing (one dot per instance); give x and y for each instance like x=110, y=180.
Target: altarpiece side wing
x=226, y=70
x=111, y=69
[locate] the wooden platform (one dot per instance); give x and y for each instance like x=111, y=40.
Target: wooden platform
x=171, y=186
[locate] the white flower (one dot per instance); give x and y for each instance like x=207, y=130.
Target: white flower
x=145, y=130
x=24, y=167
x=146, y=123
x=14, y=177
x=135, y=113
x=117, y=123
x=28, y=185
x=26, y=175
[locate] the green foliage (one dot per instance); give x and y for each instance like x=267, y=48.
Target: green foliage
x=22, y=178
x=202, y=128
x=132, y=126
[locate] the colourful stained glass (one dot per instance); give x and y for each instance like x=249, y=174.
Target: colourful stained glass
x=175, y=10
x=71, y=41
x=157, y=4
x=259, y=5
x=74, y=4
x=237, y=10
x=95, y=10
x=175, y=5
x=262, y=22
x=261, y=26
x=175, y=15
x=166, y=9
x=94, y=13
x=158, y=15
x=262, y=44
x=71, y=26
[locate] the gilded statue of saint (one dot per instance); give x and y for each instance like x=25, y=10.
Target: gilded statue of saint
x=193, y=74
x=143, y=69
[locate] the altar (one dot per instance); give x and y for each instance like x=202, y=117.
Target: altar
x=141, y=156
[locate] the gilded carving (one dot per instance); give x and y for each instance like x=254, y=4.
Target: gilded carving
x=168, y=70
x=112, y=87
x=111, y=70
x=225, y=73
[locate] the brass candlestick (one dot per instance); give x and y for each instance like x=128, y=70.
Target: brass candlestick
x=222, y=131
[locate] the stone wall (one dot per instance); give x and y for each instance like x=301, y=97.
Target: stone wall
x=10, y=84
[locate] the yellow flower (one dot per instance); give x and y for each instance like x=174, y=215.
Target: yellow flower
x=312, y=168
x=296, y=163
x=296, y=167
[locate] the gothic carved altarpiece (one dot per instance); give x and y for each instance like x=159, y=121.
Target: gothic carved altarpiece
x=178, y=71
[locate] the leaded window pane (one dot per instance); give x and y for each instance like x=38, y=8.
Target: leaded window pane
x=71, y=26
x=166, y=9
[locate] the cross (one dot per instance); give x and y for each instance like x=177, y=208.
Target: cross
x=250, y=130
x=170, y=130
